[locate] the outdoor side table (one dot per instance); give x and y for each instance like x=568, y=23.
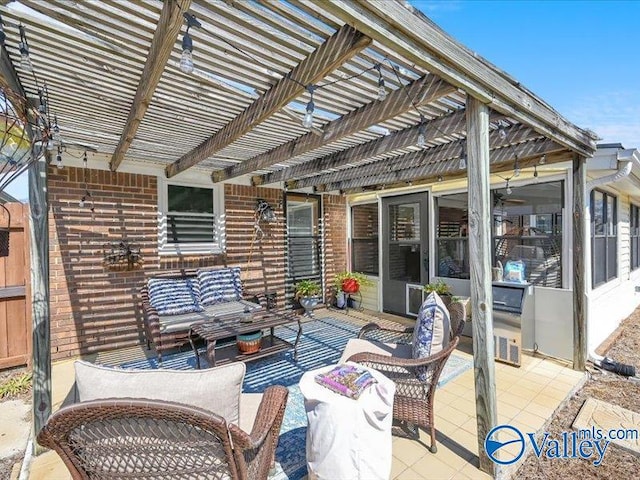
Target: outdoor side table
x=348, y=439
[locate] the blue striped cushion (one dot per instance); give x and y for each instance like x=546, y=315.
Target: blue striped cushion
x=170, y=296
x=219, y=285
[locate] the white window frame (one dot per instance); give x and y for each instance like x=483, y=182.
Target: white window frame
x=216, y=247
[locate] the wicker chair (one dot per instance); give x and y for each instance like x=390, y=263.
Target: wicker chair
x=128, y=438
x=413, y=402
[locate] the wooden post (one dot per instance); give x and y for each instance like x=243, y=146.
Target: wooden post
x=579, y=264
x=480, y=246
x=39, y=248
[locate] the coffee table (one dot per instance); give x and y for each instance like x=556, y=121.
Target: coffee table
x=229, y=326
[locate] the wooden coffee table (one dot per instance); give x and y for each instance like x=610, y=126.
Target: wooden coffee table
x=231, y=325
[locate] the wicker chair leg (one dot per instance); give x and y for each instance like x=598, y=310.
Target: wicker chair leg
x=433, y=448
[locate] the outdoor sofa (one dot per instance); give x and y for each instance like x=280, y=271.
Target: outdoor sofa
x=173, y=301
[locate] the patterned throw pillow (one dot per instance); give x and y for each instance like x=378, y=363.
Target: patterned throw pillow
x=433, y=328
x=219, y=285
x=172, y=296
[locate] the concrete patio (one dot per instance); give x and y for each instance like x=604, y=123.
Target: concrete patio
x=527, y=397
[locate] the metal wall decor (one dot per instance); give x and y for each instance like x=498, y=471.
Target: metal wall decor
x=121, y=256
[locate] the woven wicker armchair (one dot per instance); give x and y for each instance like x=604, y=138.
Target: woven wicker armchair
x=413, y=402
x=127, y=438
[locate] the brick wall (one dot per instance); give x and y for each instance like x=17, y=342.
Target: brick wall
x=335, y=224
x=93, y=308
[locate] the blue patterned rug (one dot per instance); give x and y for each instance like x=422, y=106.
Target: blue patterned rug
x=321, y=344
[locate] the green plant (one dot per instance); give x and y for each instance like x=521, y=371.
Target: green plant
x=360, y=279
x=307, y=288
x=15, y=385
x=439, y=286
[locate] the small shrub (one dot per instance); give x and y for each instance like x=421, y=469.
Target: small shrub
x=15, y=385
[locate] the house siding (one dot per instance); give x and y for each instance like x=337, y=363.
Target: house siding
x=95, y=309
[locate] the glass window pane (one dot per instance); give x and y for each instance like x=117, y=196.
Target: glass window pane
x=611, y=210
x=190, y=229
x=300, y=218
x=364, y=238
x=190, y=199
x=404, y=262
x=452, y=229
x=599, y=261
x=404, y=221
x=612, y=258
x=453, y=257
x=597, y=213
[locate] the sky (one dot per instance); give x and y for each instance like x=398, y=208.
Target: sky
x=581, y=57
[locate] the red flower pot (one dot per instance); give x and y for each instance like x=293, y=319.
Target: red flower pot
x=350, y=285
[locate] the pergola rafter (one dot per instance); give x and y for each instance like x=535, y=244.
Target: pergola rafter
x=444, y=160
x=421, y=91
x=435, y=128
x=345, y=43
x=164, y=39
x=514, y=135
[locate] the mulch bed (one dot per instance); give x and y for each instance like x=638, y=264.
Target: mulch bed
x=617, y=463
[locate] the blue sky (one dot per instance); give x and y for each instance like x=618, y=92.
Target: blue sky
x=582, y=57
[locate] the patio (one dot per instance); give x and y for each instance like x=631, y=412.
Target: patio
x=527, y=397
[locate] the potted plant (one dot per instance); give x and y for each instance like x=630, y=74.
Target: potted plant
x=348, y=284
x=441, y=288
x=308, y=294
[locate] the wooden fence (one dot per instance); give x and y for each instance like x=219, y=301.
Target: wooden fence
x=15, y=307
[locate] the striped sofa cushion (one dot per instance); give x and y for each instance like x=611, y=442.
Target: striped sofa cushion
x=219, y=285
x=171, y=296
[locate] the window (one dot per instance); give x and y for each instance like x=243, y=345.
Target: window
x=364, y=238
x=634, y=236
x=452, y=247
x=527, y=228
x=604, y=239
x=188, y=219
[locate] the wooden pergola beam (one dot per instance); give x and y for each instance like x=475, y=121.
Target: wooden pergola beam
x=336, y=50
x=162, y=43
x=421, y=91
x=407, y=31
x=515, y=134
x=445, y=161
x=438, y=127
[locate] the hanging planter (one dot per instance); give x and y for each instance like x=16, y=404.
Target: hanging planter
x=4, y=234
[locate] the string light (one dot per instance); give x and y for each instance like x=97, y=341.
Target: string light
x=308, y=117
x=422, y=140
x=535, y=171
x=440, y=178
x=516, y=168
x=382, y=90
x=186, y=60
x=509, y=191
x=23, y=46
x=543, y=159
x=502, y=133
x=59, y=159
x=462, y=162
x=56, y=130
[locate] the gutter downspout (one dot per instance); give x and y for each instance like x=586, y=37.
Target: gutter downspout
x=626, y=159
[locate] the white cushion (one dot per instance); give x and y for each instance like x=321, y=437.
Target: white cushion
x=433, y=327
x=214, y=389
x=177, y=323
x=249, y=404
x=359, y=345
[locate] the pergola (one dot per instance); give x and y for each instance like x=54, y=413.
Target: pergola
x=112, y=70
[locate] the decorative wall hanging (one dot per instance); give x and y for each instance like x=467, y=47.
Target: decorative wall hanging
x=121, y=256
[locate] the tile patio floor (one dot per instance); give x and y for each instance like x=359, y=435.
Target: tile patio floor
x=527, y=397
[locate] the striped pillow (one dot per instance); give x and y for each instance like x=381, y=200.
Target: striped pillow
x=220, y=285
x=171, y=296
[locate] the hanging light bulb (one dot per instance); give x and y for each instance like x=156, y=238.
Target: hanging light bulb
x=186, y=61
x=509, y=191
x=535, y=171
x=422, y=129
x=462, y=162
x=82, y=201
x=84, y=159
x=502, y=133
x=382, y=90
x=51, y=146
x=440, y=178
x=56, y=130
x=543, y=159
x=308, y=117
x=59, y=160
x=23, y=46
x=516, y=168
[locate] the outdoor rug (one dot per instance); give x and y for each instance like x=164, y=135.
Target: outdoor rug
x=321, y=344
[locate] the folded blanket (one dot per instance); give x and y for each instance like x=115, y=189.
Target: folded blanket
x=347, y=380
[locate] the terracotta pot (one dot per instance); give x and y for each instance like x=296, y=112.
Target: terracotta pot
x=350, y=285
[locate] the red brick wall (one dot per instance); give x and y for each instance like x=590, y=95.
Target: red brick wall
x=335, y=224
x=93, y=308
